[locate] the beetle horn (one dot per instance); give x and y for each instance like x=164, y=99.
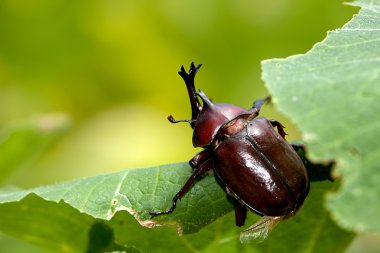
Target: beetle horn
x=205, y=99
x=189, y=77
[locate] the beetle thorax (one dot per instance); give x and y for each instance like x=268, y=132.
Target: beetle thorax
x=213, y=117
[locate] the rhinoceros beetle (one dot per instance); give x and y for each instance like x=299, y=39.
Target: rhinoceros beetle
x=259, y=169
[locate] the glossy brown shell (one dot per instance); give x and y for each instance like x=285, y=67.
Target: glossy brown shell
x=261, y=170
x=211, y=118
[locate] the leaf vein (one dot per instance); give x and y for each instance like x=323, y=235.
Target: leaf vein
x=92, y=189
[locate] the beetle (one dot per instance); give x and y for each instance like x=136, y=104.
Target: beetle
x=256, y=165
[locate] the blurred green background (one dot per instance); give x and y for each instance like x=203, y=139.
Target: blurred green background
x=86, y=86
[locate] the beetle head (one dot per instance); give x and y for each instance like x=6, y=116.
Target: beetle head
x=208, y=118
x=211, y=118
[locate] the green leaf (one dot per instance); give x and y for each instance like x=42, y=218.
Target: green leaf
x=22, y=142
x=310, y=230
x=138, y=192
x=105, y=213
x=332, y=93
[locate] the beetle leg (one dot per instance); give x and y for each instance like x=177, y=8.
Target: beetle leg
x=189, y=77
x=316, y=171
x=204, y=167
x=200, y=158
x=280, y=127
x=298, y=146
x=240, y=214
x=259, y=103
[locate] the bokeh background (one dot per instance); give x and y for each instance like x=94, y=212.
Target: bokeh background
x=95, y=80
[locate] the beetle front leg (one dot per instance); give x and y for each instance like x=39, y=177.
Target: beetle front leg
x=204, y=167
x=255, y=110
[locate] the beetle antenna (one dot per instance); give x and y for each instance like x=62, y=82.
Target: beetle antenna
x=173, y=120
x=189, y=77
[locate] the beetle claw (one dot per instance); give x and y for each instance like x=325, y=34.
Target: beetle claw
x=174, y=203
x=154, y=214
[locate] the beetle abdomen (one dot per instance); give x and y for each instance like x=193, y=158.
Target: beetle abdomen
x=261, y=170
x=282, y=154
